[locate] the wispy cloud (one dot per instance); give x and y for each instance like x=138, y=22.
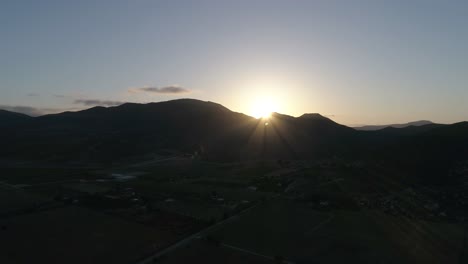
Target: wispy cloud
x=33, y=94
x=172, y=89
x=34, y=111
x=58, y=95
x=96, y=102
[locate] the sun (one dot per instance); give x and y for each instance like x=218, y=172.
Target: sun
x=263, y=107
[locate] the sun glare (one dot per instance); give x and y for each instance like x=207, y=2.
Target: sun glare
x=263, y=108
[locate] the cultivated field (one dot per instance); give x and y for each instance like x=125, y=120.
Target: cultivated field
x=304, y=235
x=77, y=235
x=202, y=252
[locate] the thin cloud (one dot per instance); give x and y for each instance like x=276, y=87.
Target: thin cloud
x=58, y=95
x=173, y=89
x=96, y=102
x=33, y=94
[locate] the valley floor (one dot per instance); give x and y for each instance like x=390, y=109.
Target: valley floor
x=183, y=210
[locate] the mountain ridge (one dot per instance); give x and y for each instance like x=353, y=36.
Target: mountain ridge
x=379, y=127
x=114, y=134
x=184, y=124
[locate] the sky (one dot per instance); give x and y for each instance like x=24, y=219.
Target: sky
x=357, y=62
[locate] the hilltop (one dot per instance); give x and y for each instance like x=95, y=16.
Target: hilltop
x=210, y=131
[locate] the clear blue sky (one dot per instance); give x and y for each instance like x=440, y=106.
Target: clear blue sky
x=359, y=62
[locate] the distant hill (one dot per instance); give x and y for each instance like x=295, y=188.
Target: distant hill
x=186, y=125
x=430, y=155
x=4, y=114
x=378, y=127
x=8, y=118
x=210, y=131
x=310, y=135
x=114, y=133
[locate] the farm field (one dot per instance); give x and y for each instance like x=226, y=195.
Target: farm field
x=202, y=252
x=308, y=214
x=77, y=235
x=14, y=198
x=304, y=235
x=31, y=176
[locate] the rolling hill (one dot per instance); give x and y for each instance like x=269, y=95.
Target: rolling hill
x=213, y=132
x=8, y=118
x=410, y=124
x=185, y=125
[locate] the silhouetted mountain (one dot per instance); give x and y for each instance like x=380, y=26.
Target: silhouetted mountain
x=430, y=155
x=185, y=125
x=123, y=131
x=5, y=115
x=378, y=127
x=213, y=132
x=409, y=130
x=8, y=118
x=307, y=136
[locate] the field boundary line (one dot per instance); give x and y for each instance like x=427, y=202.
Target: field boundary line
x=253, y=253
